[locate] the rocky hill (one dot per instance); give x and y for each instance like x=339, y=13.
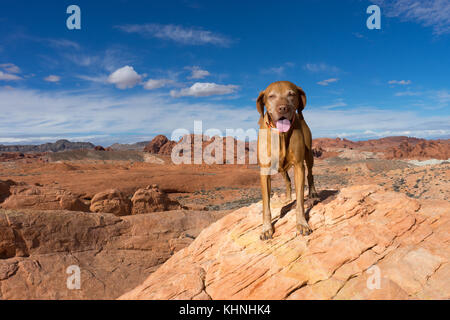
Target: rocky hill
x=60, y=145
x=367, y=243
x=138, y=146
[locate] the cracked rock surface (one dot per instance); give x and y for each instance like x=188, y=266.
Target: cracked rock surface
x=114, y=254
x=367, y=243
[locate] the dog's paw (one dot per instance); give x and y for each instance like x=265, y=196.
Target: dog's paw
x=266, y=233
x=303, y=229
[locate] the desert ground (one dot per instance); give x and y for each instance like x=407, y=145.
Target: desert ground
x=136, y=224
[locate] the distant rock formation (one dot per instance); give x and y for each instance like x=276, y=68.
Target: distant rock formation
x=60, y=145
x=400, y=147
x=138, y=146
x=367, y=243
x=160, y=145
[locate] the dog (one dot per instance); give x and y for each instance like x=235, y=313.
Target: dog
x=284, y=124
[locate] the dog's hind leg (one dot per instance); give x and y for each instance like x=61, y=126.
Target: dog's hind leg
x=302, y=225
x=287, y=181
x=309, y=157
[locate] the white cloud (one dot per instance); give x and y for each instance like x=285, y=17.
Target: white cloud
x=197, y=72
x=429, y=13
x=334, y=105
x=408, y=93
x=106, y=116
x=327, y=81
x=177, y=33
x=443, y=96
x=400, y=82
x=8, y=76
x=204, y=89
x=98, y=79
x=321, y=68
x=125, y=77
x=374, y=122
x=10, y=67
x=52, y=78
x=152, y=84
x=63, y=43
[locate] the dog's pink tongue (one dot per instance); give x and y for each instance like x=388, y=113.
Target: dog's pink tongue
x=283, y=125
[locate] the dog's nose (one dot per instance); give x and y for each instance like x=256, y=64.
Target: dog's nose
x=282, y=109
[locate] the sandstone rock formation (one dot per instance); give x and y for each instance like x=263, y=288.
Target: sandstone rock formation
x=99, y=148
x=421, y=150
x=152, y=199
x=364, y=232
x=114, y=254
x=160, y=145
x=111, y=201
x=397, y=147
x=43, y=198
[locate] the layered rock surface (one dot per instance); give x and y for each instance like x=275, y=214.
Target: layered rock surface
x=114, y=254
x=43, y=198
x=368, y=243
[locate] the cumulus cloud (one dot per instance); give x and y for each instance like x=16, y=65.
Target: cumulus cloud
x=327, y=81
x=125, y=77
x=400, y=82
x=429, y=13
x=204, y=89
x=177, y=33
x=152, y=84
x=52, y=78
x=197, y=72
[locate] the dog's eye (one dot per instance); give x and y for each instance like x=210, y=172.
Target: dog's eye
x=290, y=93
x=271, y=96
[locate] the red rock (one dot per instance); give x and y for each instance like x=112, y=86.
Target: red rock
x=152, y=199
x=114, y=254
x=99, y=148
x=363, y=226
x=111, y=201
x=155, y=145
x=44, y=198
x=5, y=189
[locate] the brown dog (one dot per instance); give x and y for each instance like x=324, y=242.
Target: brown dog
x=284, y=140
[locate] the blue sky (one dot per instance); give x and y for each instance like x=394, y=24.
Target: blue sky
x=141, y=68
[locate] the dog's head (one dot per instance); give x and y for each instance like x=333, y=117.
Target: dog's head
x=281, y=100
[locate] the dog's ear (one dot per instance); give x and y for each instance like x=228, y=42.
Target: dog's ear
x=302, y=99
x=260, y=103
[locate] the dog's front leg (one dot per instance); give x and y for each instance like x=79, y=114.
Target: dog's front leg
x=302, y=225
x=267, y=230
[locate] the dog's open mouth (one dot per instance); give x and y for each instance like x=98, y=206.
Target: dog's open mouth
x=283, y=124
